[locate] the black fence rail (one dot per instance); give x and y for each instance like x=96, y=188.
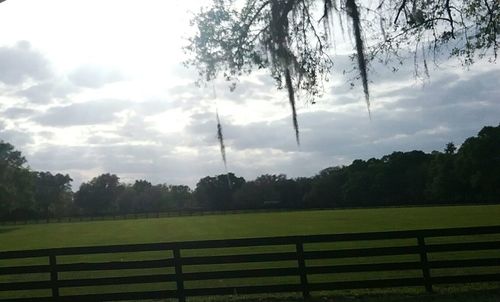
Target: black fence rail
x=295, y=264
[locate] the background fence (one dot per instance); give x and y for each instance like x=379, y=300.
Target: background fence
x=146, y=215
x=204, y=212
x=421, y=258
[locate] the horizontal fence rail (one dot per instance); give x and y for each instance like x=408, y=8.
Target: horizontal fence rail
x=294, y=264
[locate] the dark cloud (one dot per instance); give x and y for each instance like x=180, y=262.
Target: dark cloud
x=88, y=113
x=20, y=63
x=15, y=137
x=93, y=76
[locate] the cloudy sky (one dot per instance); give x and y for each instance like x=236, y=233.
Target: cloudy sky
x=88, y=87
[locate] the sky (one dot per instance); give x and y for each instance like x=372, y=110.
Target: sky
x=91, y=87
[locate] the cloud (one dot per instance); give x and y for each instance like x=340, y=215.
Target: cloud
x=18, y=112
x=259, y=86
x=20, y=63
x=157, y=163
x=15, y=137
x=155, y=106
x=48, y=91
x=77, y=114
x=450, y=108
x=94, y=76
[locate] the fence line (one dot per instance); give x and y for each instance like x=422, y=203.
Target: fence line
x=200, y=212
x=300, y=251
x=142, y=215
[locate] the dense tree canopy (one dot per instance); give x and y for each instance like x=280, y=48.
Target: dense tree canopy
x=100, y=195
x=293, y=39
x=217, y=192
x=464, y=175
x=52, y=193
x=16, y=184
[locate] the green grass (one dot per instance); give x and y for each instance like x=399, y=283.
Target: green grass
x=169, y=229
x=243, y=225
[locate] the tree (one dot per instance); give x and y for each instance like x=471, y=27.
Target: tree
x=443, y=183
x=52, y=193
x=217, y=192
x=100, y=195
x=286, y=37
x=326, y=188
x=181, y=195
x=16, y=183
x=260, y=192
x=478, y=165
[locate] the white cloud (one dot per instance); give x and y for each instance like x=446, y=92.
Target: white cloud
x=91, y=76
x=20, y=63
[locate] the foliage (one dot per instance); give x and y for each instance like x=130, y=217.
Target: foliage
x=478, y=165
x=143, y=197
x=100, y=195
x=216, y=193
x=293, y=39
x=53, y=193
x=16, y=185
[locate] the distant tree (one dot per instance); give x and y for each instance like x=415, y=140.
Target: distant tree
x=142, y=197
x=16, y=183
x=478, y=165
x=443, y=183
x=181, y=196
x=53, y=195
x=450, y=148
x=142, y=186
x=272, y=191
x=405, y=176
x=100, y=195
x=127, y=200
x=165, y=200
x=357, y=187
x=327, y=189
x=260, y=192
x=145, y=200
x=217, y=192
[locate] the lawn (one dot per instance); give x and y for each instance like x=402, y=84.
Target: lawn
x=34, y=236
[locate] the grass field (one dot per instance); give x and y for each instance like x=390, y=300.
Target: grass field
x=36, y=236
x=243, y=225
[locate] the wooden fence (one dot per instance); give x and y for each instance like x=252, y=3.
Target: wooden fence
x=301, y=257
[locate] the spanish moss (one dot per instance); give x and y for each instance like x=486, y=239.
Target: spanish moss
x=291, y=98
x=352, y=10
x=220, y=137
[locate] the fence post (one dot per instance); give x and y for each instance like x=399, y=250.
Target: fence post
x=178, y=275
x=53, y=276
x=425, y=264
x=302, y=270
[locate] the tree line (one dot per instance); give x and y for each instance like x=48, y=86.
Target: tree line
x=469, y=174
